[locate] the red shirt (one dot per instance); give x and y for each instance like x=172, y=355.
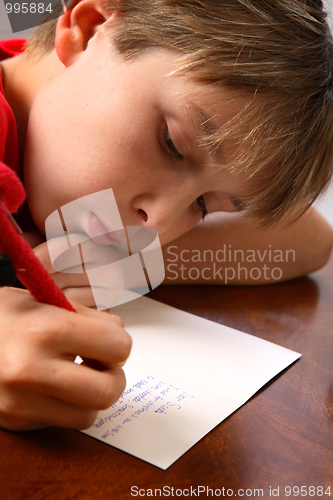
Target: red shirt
x=10, y=48
x=9, y=151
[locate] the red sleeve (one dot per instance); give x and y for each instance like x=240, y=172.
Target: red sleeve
x=9, y=152
x=11, y=48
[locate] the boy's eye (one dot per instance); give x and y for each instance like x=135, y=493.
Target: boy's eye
x=202, y=206
x=169, y=146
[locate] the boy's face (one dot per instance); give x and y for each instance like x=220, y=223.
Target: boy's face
x=104, y=122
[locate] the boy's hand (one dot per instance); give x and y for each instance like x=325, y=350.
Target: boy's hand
x=72, y=281
x=40, y=384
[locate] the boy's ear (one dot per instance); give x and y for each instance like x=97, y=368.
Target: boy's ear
x=77, y=26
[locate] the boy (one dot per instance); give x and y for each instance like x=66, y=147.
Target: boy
x=184, y=108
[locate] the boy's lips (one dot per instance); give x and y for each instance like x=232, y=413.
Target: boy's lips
x=98, y=233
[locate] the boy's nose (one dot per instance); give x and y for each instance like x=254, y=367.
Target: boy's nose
x=162, y=211
x=143, y=215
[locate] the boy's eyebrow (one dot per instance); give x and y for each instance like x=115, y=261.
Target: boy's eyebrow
x=238, y=203
x=204, y=123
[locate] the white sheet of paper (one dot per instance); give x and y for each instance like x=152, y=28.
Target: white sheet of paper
x=185, y=375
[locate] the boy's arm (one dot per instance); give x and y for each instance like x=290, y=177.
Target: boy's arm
x=226, y=250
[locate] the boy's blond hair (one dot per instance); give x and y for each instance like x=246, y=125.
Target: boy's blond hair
x=280, y=53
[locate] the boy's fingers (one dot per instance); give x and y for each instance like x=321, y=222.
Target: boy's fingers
x=94, y=335
x=80, y=385
x=32, y=411
x=87, y=311
x=82, y=295
x=116, y=319
x=40, y=382
x=86, y=295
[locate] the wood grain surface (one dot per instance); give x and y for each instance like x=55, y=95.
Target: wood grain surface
x=283, y=436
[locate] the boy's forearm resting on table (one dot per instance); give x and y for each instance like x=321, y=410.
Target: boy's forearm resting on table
x=226, y=250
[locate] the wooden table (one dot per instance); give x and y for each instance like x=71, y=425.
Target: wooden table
x=282, y=437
